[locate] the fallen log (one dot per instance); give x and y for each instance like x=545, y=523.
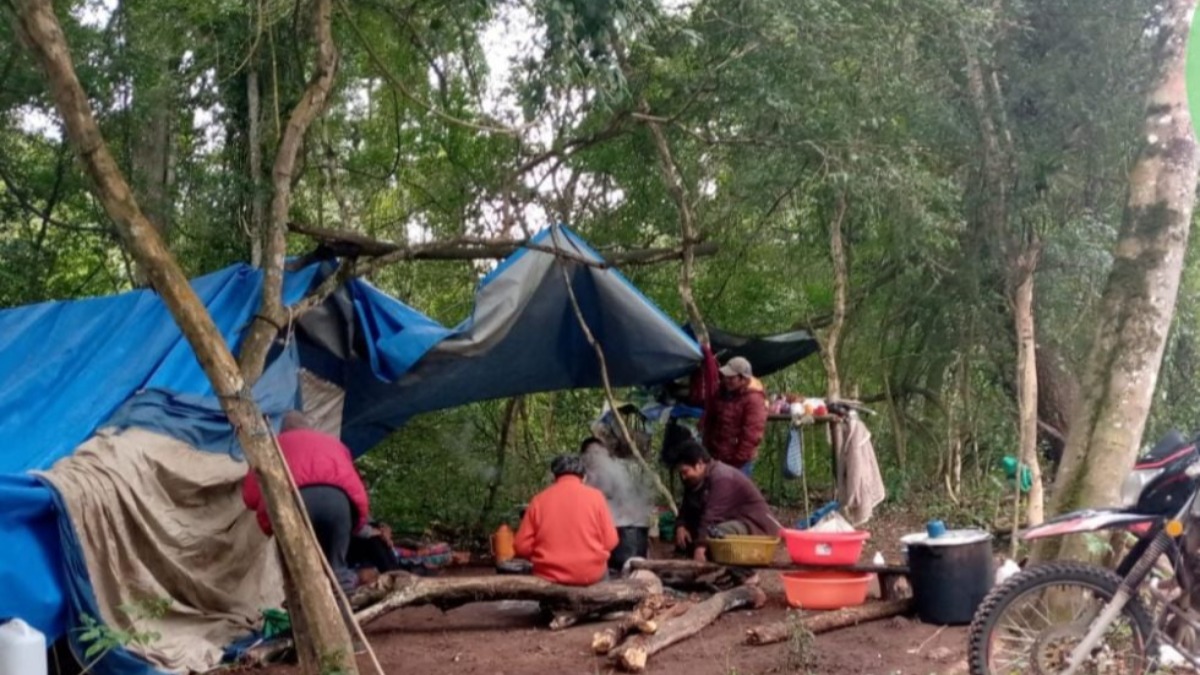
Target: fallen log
x=825, y=622
x=693, y=575
x=636, y=651
x=405, y=590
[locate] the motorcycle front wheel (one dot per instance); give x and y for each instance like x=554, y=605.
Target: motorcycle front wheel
x=1032, y=623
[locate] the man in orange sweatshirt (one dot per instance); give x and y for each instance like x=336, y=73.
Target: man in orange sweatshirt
x=567, y=532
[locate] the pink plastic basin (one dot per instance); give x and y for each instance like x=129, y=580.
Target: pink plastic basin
x=825, y=548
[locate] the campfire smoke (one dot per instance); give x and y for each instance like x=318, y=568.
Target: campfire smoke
x=628, y=493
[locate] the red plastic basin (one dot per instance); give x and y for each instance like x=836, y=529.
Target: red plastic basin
x=825, y=589
x=825, y=548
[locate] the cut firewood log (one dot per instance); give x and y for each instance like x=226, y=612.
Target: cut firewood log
x=824, y=622
x=636, y=651
x=644, y=618
x=405, y=590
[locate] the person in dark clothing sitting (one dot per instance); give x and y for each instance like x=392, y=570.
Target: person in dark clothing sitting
x=718, y=500
x=372, y=547
x=330, y=487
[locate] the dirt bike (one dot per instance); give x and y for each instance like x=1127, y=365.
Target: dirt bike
x=1066, y=617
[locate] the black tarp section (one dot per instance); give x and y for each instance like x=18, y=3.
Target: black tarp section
x=767, y=353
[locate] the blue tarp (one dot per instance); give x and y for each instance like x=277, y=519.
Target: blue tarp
x=70, y=366
x=67, y=368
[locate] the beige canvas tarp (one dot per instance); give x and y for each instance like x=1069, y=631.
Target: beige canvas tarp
x=157, y=518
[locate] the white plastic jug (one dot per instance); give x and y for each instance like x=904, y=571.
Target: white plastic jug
x=22, y=649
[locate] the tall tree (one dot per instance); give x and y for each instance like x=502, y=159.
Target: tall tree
x=328, y=642
x=1139, y=298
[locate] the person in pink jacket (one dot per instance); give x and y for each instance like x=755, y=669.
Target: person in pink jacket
x=332, y=491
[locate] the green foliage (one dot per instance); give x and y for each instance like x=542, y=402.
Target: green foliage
x=101, y=638
x=774, y=110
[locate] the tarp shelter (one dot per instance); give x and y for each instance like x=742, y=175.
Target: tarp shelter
x=119, y=473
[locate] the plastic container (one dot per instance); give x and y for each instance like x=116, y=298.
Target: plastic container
x=950, y=574
x=502, y=544
x=825, y=589
x=22, y=649
x=632, y=542
x=744, y=550
x=807, y=547
x=666, y=526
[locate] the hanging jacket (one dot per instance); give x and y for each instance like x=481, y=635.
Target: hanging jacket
x=734, y=423
x=315, y=458
x=706, y=379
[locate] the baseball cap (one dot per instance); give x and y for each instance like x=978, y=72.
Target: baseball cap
x=737, y=366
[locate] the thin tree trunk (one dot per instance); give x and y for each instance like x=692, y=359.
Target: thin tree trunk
x=1139, y=298
x=151, y=154
x=1027, y=382
x=837, y=254
x=897, y=417
x=254, y=140
x=687, y=224
x=506, y=424
x=36, y=23
x=271, y=315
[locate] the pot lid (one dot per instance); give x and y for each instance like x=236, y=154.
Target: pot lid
x=950, y=538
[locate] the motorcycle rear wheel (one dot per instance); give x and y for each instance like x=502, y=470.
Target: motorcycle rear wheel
x=1012, y=633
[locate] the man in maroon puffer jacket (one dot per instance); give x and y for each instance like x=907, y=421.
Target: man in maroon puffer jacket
x=736, y=418
x=332, y=491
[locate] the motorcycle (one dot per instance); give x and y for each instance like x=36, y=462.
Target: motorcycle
x=1064, y=618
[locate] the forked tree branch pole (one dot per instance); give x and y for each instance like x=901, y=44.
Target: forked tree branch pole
x=35, y=22
x=271, y=312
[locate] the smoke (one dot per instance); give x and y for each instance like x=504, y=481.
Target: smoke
x=624, y=486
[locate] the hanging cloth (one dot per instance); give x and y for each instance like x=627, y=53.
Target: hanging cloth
x=793, y=456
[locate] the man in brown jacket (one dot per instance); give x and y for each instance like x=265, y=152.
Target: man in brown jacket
x=735, y=420
x=718, y=500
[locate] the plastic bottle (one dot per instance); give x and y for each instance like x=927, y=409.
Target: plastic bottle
x=873, y=588
x=502, y=545
x=22, y=649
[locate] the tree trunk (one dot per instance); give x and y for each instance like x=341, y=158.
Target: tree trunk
x=254, y=140
x=1139, y=298
x=152, y=152
x=633, y=655
x=271, y=315
x=35, y=22
x=837, y=255
x=1023, y=271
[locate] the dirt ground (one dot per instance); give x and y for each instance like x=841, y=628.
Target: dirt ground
x=508, y=639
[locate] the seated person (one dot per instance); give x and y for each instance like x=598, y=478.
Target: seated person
x=372, y=547
x=718, y=500
x=330, y=487
x=567, y=531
